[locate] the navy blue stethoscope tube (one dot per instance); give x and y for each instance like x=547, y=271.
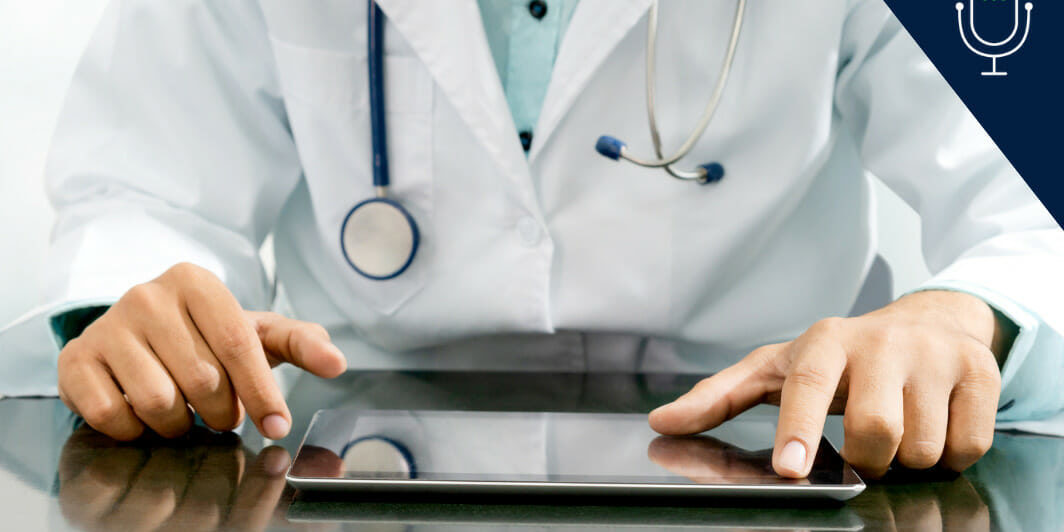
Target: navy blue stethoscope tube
x=375, y=37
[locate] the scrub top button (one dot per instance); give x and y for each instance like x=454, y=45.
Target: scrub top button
x=529, y=231
x=538, y=9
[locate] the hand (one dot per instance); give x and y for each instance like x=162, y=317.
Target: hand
x=182, y=340
x=205, y=481
x=917, y=380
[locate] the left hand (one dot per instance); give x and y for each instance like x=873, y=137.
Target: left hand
x=918, y=380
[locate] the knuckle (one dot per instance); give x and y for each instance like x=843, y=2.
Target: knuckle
x=155, y=403
x=203, y=379
x=74, y=353
x=228, y=419
x=812, y=377
x=760, y=353
x=766, y=356
x=186, y=271
x=827, y=327
x=873, y=426
x=316, y=330
x=142, y=297
x=920, y=454
x=101, y=413
x=970, y=448
x=309, y=332
x=982, y=376
x=703, y=384
x=234, y=341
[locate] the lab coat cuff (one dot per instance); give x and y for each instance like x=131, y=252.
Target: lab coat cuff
x=29, y=349
x=1028, y=385
x=82, y=313
x=52, y=314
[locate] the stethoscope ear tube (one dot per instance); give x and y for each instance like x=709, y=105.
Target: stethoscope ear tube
x=616, y=149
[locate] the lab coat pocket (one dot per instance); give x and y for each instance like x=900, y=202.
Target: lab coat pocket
x=326, y=96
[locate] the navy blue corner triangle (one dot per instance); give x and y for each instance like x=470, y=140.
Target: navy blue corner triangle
x=1022, y=111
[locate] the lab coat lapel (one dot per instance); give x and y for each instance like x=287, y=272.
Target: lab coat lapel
x=449, y=39
x=596, y=28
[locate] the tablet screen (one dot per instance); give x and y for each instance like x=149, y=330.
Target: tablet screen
x=543, y=447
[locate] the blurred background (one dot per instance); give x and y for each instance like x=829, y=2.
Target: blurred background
x=40, y=43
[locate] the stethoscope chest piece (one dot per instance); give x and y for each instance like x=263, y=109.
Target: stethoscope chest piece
x=379, y=238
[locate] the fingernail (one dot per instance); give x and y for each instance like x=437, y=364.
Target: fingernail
x=275, y=427
x=792, y=458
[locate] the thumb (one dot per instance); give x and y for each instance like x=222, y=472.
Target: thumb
x=718, y=398
x=299, y=343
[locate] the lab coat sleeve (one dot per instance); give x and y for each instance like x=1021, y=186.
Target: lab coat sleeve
x=984, y=232
x=173, y=146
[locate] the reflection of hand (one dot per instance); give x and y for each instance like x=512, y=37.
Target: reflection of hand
x=318, y=462
x=205, y=481
x=708, y=460
x=917, y=380
x=923, y=506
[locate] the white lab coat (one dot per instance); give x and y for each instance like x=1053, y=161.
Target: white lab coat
x=194, y=129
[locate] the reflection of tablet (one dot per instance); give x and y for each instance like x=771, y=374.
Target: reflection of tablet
x=551, y=453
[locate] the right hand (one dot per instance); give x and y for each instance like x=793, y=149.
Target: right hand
x=182, y=340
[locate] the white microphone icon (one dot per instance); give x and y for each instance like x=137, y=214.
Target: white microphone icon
x=988, y=47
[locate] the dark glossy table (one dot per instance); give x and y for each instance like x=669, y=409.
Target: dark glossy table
x=56, y=474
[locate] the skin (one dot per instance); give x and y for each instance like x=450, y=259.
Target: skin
x=182, y=342
x=918, y=380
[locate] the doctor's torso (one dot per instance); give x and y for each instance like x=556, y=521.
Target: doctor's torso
x=566, y=239
x=215, y=124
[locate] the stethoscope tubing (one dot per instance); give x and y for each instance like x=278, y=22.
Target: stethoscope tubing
x=615, y=149
x=710, y=109
x=375, y=44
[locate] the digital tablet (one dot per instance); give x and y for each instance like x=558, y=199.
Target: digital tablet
x=544, y=453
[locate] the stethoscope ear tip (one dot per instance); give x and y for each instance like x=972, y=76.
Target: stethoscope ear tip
x=714, y=172
x=610, y=147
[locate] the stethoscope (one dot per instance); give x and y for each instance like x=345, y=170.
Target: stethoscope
x=379, y=237
x=707, y=173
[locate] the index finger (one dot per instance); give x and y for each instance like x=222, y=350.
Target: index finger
x=233, y=340
x=721, y=397
x=805, y=399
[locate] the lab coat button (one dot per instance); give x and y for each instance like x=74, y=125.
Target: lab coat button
x=538, y=9
x=528, y=230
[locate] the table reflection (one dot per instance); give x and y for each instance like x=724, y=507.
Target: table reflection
x=943, y=505
x=204, y=481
